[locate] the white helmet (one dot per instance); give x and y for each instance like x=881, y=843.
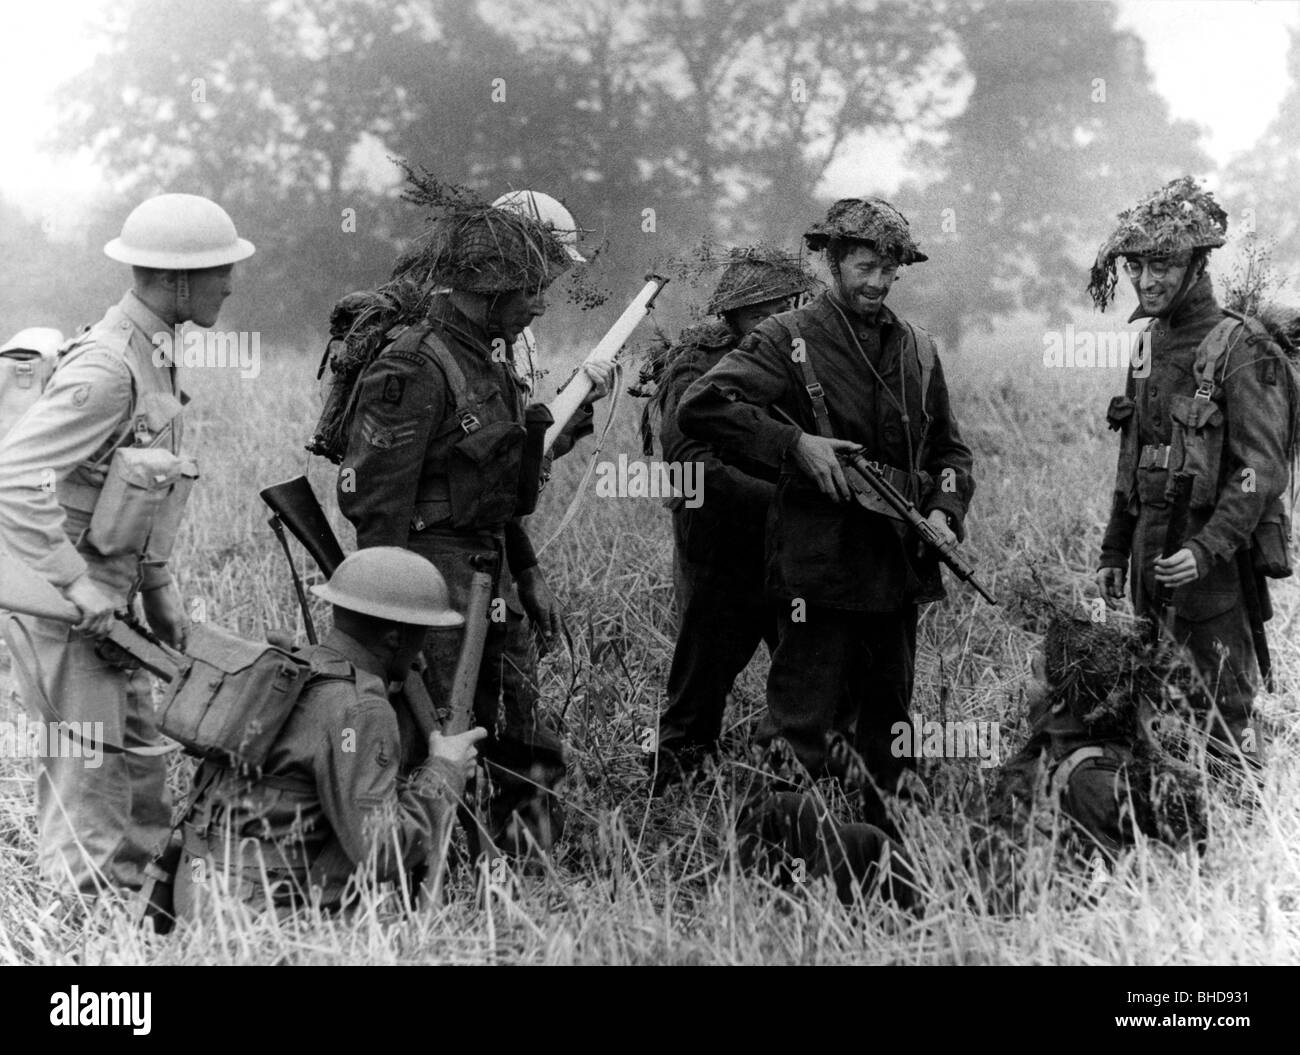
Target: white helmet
x=546, y=210
x=178, y=232
x=43, y=340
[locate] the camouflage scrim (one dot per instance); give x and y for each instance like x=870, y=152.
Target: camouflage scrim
x=481, y=249
x=758, y=274
x=1178, y=217
x=872, y=221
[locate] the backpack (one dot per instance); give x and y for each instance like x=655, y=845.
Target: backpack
x=1272, y=539
x=27, y=363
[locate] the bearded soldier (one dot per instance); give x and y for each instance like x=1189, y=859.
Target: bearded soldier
x=843, y=373
x=112, y=411
x=1210, y=403
x=717, y=547
x=437, y=447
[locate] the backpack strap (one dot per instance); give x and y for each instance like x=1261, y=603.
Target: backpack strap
x=810, y=383
x=462, y=403
x=926, y=356
x=1213, y=351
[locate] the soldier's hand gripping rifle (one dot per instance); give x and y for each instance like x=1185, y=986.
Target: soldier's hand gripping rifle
x=24, y=591
x=866, y=480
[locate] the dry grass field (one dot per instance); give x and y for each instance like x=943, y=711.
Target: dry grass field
x=641, y=881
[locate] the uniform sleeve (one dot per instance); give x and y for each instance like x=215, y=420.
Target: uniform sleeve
x=1117, y=542
x=727, y=407
x=1254, y=474
x=401, y=401
x=945, y=456
x=368, y=807
x=743, y=493
x=86, y=402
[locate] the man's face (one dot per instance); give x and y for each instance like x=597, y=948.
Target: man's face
x=410, y=643
x=864, y=277
x=1157, y=280
x=742, y=320
x=209, y=289
x=511, y=312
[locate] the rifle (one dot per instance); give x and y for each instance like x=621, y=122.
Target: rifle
x=23, y=591
x=863, y=475
x=1255, y=612
x=295, y=506
x=1180, y=487
x=566, y=404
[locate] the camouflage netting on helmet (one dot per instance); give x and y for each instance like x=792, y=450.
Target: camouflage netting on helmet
x=745, y=276
x=1124, y=692
x=872, y=221
x=468, y=245
x=757, y=274
x=1178, y=217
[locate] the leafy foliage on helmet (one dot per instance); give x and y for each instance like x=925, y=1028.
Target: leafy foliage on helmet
x=872, y=221
x=473, y=246
x=1178, y=217
x=756, y=274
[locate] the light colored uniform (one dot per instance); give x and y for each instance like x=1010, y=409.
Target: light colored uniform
x=97, y=825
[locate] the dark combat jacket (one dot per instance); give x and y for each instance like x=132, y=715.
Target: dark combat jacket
x=1246, y=430
x=829, y=554
x=720, y=540
x=409, y=462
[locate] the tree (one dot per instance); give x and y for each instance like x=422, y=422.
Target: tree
x=1062, y=130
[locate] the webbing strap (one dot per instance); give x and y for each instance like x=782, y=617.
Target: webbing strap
x=810, y=383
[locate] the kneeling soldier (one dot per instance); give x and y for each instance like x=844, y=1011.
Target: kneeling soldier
x=329, y=810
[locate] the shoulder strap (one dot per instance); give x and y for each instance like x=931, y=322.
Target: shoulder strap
x=1212, y=351
x=461, y=404
x=926, y=355
x=810, y=383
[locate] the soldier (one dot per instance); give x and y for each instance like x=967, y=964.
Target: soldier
x=843, y=373
x=717, y=547
x=1224, y=422
x=520, y=695
x=435, y=454
x=109, y=396
x=329, y=810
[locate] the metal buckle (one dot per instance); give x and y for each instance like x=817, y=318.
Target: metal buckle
x=815, y=390
x=1205, y=390
x=469, y=423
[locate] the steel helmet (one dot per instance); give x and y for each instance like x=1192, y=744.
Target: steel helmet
x=755, y=275
x=391, y=583
x=548, y=212
x=178, y=232
x=872, y=221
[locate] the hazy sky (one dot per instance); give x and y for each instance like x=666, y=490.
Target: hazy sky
x=1219, y=62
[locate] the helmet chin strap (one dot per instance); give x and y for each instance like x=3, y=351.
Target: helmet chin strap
x=1195, y=269
x=181, y=297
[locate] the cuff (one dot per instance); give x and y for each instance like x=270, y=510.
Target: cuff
x=438, y=778
x=1205, y=557
x=63, y=565
x=950, y=504
x=154, y=575
x=520, y=555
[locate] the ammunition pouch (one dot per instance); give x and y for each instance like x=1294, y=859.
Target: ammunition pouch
x=1270, y=545
x=483, y=475
x=137, y=495
x=537, y=419
x=231, y=697
x=1197, y=446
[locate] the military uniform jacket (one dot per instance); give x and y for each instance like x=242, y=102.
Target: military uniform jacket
x=396, y=479
x=721, y=540
x=837, y=555
x=331, y=796
x=1245, y=436
x=106, y=392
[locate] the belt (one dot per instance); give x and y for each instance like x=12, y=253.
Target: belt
x=1154, y=456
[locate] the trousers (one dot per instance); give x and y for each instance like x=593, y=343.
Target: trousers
x=100, y=819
